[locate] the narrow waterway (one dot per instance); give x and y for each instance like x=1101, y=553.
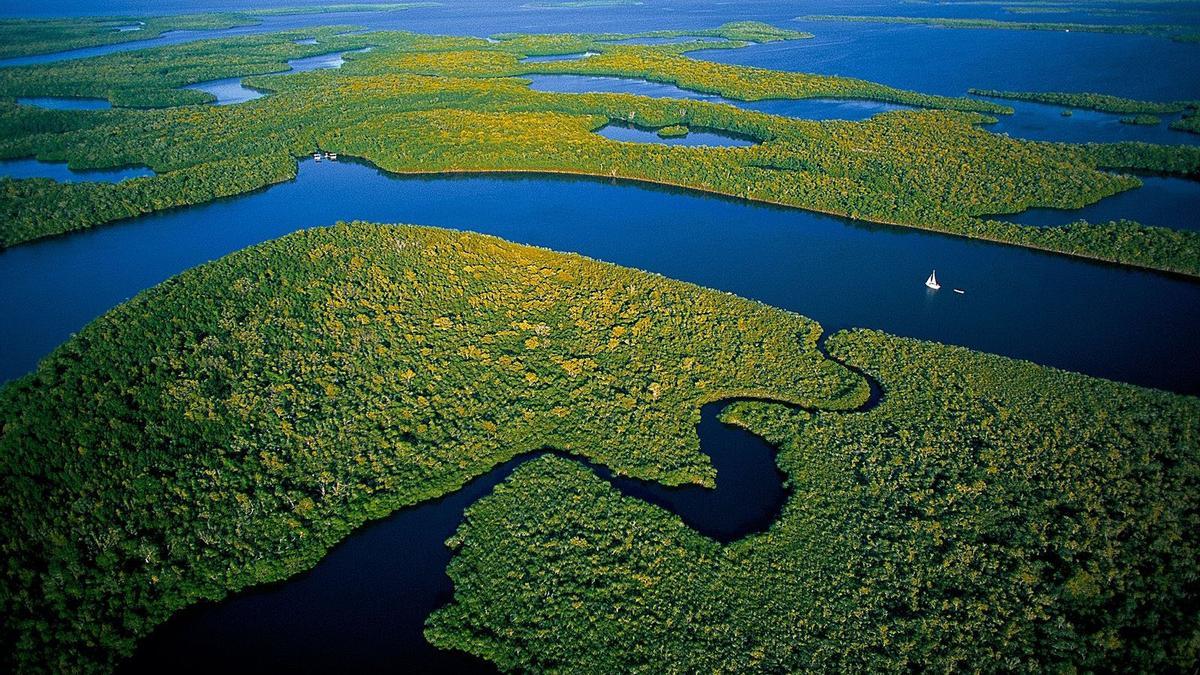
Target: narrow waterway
x=363, y=607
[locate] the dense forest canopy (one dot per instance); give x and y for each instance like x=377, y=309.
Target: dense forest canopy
x=988, y=515
x=227, y=427
x=426, y=103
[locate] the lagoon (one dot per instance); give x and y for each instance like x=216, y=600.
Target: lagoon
x=629, y=133
x=812, y=109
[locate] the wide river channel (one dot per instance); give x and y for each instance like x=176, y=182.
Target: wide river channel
x=363, y=607
x=1099, y=319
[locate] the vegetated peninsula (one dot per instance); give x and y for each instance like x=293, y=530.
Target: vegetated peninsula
x=26, y=37
x=1142, y=111
x=228, y=426
x=422, y=103
x=1092, y=101
x=1179, y=33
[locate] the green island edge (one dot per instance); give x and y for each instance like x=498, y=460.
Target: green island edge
x=877, y=170
x=227, y=427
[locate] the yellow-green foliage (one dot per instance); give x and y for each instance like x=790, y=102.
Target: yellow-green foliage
x=988, y=515
x=1180, y=33
x=152, y=78
x=1100, y=102
x=19, y=37
x=427, y=103
x=227, y=427
x=745, y=83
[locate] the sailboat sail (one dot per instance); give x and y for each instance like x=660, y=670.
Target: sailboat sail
x=932, y=281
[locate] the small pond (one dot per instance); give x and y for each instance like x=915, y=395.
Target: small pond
x=628, y=133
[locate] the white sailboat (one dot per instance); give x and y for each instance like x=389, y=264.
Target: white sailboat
x=932, y=281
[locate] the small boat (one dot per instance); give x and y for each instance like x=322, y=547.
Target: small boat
x=960, y=291
x=316, y=156
x=333, y=156
x=932, y=281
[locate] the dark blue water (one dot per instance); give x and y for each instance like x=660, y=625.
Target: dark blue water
x=59, y=171
x=696, y=137
x=946, y=61
x=62, y=103
x=1040, y=122
x=1021, y=303
x=1166, y=202
x=363, y=608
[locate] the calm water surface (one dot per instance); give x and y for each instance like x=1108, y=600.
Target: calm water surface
x=59, y=171
x=1019, y=303
x=1166, y=202
x=363, y=607
x=63, y=103
x=1041, y=122
x=814, y=109
x=696, y=137
x=231, y=91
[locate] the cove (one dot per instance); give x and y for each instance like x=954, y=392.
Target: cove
x=1042, y=122
x=812, y=109
x=231, y=91
x=841, y=272
x=628, y=133
x=363, y=607
x=1033, y=121
x=1162, y=201
x=35, y=168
